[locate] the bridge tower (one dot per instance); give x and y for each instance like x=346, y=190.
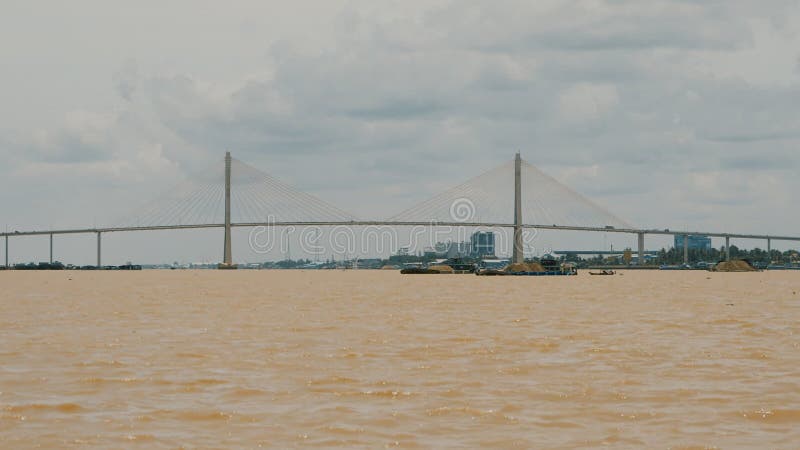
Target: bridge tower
x=227, y=257
x=518, y=255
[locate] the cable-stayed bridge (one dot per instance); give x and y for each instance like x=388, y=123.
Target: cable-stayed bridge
x=515, y=195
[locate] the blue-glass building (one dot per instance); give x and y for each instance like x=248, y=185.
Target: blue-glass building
x=695, y=242
x=482, y=243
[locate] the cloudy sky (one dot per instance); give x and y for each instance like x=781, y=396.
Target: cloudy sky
x=671, y=113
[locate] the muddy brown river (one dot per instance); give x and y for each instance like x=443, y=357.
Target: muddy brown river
x=375, y=359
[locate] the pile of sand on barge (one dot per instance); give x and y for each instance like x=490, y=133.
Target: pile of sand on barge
x=525, y=267
x=734, y=266
x=441, y=269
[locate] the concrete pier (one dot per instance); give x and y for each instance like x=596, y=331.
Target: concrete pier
x=727, y=248
x=641, y=248
x=6, y=252
x=99, y=253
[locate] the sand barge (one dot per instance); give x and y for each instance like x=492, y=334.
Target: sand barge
x=441, y=268
x=547, y=267
x=525, y=267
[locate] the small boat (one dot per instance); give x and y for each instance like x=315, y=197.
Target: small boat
x=491, y=272
x=679, y=267
x=603, y=272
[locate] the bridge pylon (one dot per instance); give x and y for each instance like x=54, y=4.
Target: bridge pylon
x=227, y=256
x=518, y=255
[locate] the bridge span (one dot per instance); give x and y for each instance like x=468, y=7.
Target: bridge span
x=641, y=233
x=260, y=191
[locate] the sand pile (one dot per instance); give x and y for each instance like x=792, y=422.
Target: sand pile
x=442, y=269
x=536, y=267
x=525, y=267
x=734, y=266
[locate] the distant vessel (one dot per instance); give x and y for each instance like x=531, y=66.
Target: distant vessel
x=782, y=267
x=679, y=267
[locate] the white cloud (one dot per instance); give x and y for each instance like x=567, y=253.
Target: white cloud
x=587, y=101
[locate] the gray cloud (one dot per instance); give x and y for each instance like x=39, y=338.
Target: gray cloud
x=765, y=161
x=399, y=109
x=68, y=147
x=126, y=79
x=757, y=137
x=593, y=26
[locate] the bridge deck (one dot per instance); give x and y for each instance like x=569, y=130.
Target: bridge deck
x=406, y=224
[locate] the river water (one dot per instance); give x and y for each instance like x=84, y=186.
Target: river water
x=375, y=359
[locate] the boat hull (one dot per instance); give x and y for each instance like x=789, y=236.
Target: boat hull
x=525, y=274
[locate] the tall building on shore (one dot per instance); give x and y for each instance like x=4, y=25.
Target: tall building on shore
x=482, y=244
x=695, y=242
x=458, y=249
